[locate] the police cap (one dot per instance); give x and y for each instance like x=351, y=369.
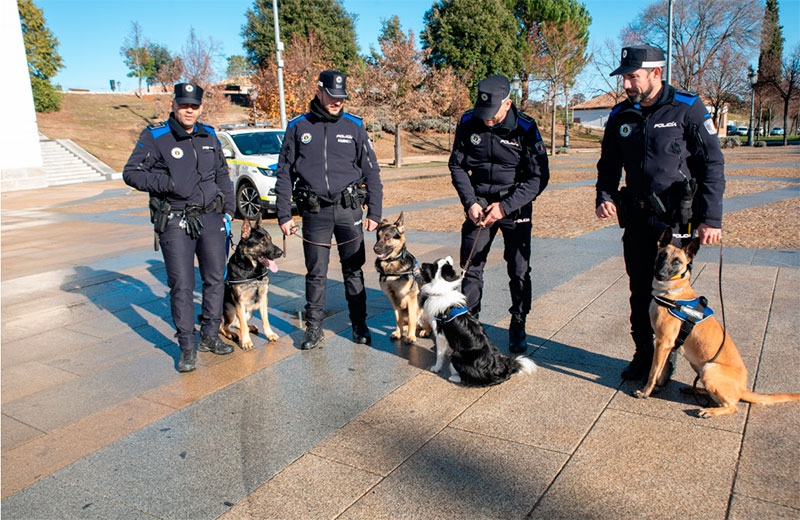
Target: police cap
x=640, y=57
x=333, y=83
x=188, y=94
x=492, y=93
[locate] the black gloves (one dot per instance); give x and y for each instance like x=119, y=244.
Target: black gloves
x=190, y=221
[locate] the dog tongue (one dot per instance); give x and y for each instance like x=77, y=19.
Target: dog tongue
x=272, y=266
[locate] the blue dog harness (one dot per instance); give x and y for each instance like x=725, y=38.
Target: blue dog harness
x=454, y=313
x=690, y=312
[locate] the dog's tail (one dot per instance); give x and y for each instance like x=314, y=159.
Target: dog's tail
x=752, y=397
x=525, y=365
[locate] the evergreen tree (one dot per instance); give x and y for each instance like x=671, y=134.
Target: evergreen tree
x=333, y=29
x=771, y=55
x=44, y=62
x=477, y=39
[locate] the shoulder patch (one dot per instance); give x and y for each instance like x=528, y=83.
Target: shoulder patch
x=467, y=116
x=158, y=129
x=357, y=120
x=209, y=129
x=525, y=121
x=615, y=109
x=294, y=121
x=685, y=98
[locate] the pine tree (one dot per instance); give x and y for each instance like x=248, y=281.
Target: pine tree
x=44, y=62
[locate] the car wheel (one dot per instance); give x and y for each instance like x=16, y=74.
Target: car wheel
x=248, y=200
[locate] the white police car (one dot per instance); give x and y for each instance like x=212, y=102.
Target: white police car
x=252, y=155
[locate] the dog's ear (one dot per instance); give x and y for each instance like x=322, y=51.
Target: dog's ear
x=692, y=248
x=399, y=223
x=246, y=228
x=428, y=271
x=258, y=220
x=666, y=238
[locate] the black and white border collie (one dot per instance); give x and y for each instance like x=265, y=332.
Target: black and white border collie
x=460, y=337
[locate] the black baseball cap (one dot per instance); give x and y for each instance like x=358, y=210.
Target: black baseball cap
x=333, y=83
x=640, y=57
x=492, y=92
x=188, y=94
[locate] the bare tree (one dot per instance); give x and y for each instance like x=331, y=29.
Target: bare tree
x=702, y=29
x=788, y=87
x=558, y=56
x=134, y=50
x=198, y=59
x=724, y=83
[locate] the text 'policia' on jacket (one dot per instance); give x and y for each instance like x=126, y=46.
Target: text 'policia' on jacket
x=488, y=162
x=181, y=166
x=328, y=156
x=660, y=144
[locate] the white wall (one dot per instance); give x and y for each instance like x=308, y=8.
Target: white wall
x=20, y=153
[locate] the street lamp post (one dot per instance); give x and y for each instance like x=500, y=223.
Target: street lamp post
x=515, y=84
x=253, y=97
x=566, y=117
x=753, y=77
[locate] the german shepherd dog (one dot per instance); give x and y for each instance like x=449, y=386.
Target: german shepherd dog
x=398, y=270
x=460, y=337
x=718, y=364
x=247, y=284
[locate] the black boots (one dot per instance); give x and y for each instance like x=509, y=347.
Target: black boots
x=188, y=360
x=361, y=334
x=312, y=338
x=214, y=344
x=517, y=337
x=639, y=367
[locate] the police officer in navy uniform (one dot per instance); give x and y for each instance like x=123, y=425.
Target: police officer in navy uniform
x=667, y=143
x=327, y=161
x=180, y=163
x=498, y=166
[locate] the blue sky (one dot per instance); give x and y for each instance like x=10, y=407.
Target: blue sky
x=91, y=32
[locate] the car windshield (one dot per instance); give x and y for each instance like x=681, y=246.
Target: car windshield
x=259, y=143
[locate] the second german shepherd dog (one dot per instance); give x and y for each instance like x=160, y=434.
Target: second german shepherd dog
x=247, y=284
x=398, y=270
x=711, y=353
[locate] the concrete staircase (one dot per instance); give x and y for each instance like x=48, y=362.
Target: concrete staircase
x=65, y=162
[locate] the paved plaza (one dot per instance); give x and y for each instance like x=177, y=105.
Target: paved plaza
x=98, y=423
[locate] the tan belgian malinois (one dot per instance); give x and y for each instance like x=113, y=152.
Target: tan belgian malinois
x=718, y=364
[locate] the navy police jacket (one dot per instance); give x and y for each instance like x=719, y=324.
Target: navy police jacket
x=325, y=155
x=657, y=146
x=184, y=168
x=506, y=163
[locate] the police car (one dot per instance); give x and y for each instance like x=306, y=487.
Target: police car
x=252, y=155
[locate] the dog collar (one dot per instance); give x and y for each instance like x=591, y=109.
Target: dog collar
x=454, y=313
x=680, y=276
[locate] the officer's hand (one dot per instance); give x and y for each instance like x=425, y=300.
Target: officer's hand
x=475, y=213
x=493, y=213
x=289, y=227
x=370, y=225
x=226, y=222
x=605, y=210
x=708, y=235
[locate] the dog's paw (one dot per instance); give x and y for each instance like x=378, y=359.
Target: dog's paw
x=246, y=345
x=253, y=329
x=435, y=369
x=424, y=333
x=408, y=340
x=455, y=378
x=271, y=336
x=396, y=335
x=640, y=394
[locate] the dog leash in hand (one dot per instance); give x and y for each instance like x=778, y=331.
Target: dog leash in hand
x=321, y=244
x=471, y=252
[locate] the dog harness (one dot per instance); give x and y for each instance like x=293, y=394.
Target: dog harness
x=414, y=271
x=690, y=312
x=454, y=313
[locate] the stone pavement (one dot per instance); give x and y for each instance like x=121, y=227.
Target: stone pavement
x=97, y=422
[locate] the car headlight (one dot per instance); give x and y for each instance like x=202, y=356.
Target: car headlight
x=269, y=172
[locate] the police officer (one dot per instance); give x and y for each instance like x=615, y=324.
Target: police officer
x=674, y=177
x=498, y=167
x=180, y=163
x=328, y=161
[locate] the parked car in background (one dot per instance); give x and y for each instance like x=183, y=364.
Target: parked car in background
x=732, y=130
x=252, y=155
x=776, y=130
x=743, y=130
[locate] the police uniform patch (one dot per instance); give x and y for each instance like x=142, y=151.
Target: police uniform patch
x=625, y=130
x=305, y=138
x=540, y=149
x=176, y=152
x=475, y=139
x=709, y=124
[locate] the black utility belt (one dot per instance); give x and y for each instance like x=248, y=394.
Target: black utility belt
x=194, y=208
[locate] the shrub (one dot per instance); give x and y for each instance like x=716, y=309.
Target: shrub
x=760, y=144
x=729, y=142
x=45, y=97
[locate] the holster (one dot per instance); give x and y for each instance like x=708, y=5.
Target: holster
x=306, y=200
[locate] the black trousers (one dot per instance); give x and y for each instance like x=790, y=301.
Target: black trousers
x=517, y=254
x=179, y=253
x=640, y=245
x=345, y=224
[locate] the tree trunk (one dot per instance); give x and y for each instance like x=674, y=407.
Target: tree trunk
x=553, y=127
x=398, y=159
